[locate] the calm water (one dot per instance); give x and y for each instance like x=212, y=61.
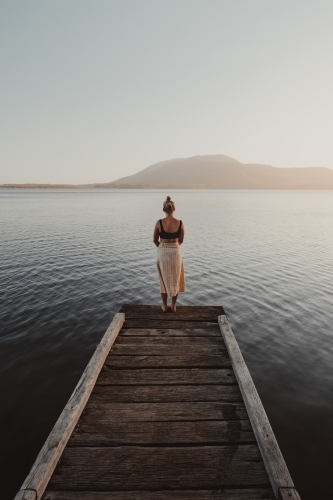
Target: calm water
x=69, y=259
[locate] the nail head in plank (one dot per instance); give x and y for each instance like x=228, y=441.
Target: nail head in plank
x=49, y=455
x=288, y=494
x=275, y=465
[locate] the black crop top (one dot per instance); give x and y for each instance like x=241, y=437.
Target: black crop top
x=169, y=236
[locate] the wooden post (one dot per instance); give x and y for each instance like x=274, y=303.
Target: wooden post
x=274, y=462
x=26, y=495
x=39, y=476
x=288, y=494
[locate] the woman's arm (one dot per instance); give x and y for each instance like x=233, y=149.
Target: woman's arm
x=156, y=234
x=182, y=234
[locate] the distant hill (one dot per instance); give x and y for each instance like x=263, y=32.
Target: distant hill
x=223, y=172
x=213, y=172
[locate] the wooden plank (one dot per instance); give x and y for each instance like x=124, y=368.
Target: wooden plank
x=184, y=313
x=164, y=376
x=221, y=360
x=288, y=494
x=171, y=342
x=225, y=494
x=274, y=462
x=94, y=432
x=148, y=412
x=155, y=468
x=150, y=349
x=212, y=331
x=165, y=323
x=49, y=455
x=165, y=394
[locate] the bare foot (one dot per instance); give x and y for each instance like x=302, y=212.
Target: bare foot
x=164, y=309
x=173, y=308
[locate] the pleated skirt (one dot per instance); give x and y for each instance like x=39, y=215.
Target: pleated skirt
x=170, y=269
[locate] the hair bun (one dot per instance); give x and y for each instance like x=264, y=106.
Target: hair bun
x=168, y=198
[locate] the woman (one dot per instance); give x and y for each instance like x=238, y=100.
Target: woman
x=168, y=235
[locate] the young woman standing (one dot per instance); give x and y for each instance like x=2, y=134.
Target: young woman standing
x=168, y=236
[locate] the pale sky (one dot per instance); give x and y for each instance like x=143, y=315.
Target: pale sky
x=95, y=90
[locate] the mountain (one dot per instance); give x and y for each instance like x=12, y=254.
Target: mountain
x=213, y=172
x=224, y=172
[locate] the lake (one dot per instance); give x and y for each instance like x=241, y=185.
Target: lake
x=71, y=258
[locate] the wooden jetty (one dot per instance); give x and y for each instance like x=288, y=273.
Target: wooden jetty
x=166, y=409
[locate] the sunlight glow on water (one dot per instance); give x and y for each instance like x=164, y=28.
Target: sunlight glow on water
x=69, y=259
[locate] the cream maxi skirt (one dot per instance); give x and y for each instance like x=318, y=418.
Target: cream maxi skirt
x=170, y=269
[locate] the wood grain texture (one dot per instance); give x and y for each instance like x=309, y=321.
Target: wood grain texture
x=123, y=468
x=288, y=494
x=26, y=495
x=49, y=455
x=96, y=432
x=165, y=394
x=166, y=323
x=184, y=313
x=167, y=349
x=191, y=376
x=275, y=465
x=148, y=412
x=216, y=360
x=174, y=342
x=225, y=494
x=212, y=331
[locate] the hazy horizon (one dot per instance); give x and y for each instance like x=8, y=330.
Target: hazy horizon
x=91, y=92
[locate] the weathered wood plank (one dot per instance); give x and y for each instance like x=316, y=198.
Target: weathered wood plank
x=165, y=394
x=49, y=455
x=94, y=432
x=148, y=412
x=212, y=331
x=184, y=313
x=164, y=376
x=142, y=468
x=244, y=494
x=274, y=462
x=220, y=360
x=288, y=494
x=166, y=349
x=171, y=342
x=164, y=323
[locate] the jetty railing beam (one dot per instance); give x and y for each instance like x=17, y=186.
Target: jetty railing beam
x=42, y=470
x=276, y=467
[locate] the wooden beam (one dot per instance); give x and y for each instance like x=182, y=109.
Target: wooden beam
x=26, y=495
x=49, y=455
x=288, y=494
x=274, y=462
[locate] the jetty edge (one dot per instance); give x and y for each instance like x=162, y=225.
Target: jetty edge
x=45, y=463
x=165, y=409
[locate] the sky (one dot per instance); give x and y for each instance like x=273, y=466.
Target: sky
x=91, y=91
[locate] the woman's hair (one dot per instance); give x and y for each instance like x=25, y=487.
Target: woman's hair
x=169, y=206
